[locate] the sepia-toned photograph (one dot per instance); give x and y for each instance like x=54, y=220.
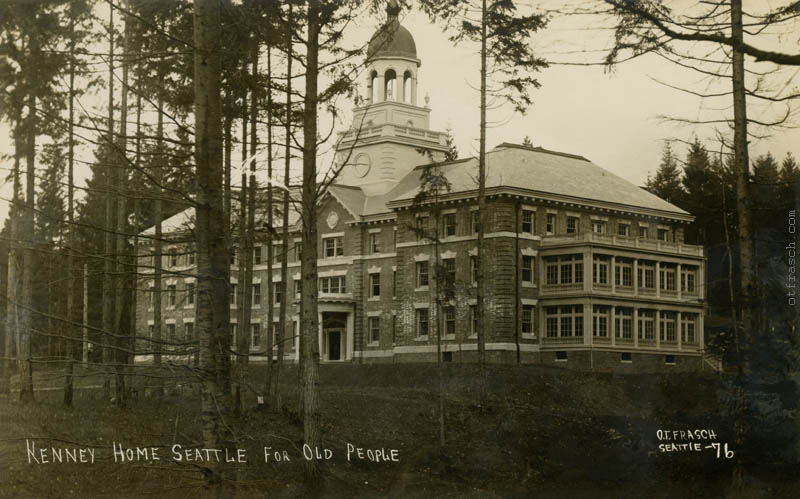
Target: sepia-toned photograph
x=399, y=248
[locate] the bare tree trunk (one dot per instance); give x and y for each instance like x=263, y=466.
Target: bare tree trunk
x=132, y=344
x=213, y=264
x=285, y=241
x=122, y=217
x=243, y=339
x=480, y=308
x=158, y=251
x=310, y=321
x=70, y=329
x=110, y=222
x=12, y=295
x=26, y=325
x=749, y=297
x=270, y=255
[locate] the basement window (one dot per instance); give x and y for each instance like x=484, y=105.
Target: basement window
x=669, y=360
x=447, y=356
x=626, y=357
x=561, y=356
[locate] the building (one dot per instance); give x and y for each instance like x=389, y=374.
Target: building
x=587, y=270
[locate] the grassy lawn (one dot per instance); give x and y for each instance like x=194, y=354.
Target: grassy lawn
x=544, y=432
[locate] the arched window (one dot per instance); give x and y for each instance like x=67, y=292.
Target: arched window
x=390, y=85
x=407, y=87
x=373, y=87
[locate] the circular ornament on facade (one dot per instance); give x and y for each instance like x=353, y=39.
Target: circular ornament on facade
x=362, y=165
x=332, y=220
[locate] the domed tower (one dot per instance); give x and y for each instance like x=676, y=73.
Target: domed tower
x=390, y=128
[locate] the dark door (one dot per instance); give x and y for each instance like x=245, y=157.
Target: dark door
x=334, y=345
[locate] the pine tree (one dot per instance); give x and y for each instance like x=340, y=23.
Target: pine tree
x=699, y=190
x=667, y=182
x=452, y=151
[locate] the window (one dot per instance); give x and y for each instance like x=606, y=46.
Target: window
x=473, y=261
x=422, y=227
x=171, y=332
x=233, y=334
x=666, y=278
x=623, y=328
x=394, y=329
x=298, y=251
x=551, y=223
x=374, y=243
x=600, y=319
x=527, y=319
x=334, y=284
x=688, y=280
x=189, y=293
x=422, y=322
x=566, y=269
x=150, y=329
x=277, y=251
x=626, y=357
x=643, y=232
x=334, y=246
x=450, y=321
x=646, y=275
x=422, y=274
x=449, y=265
x=407, y=82
x=565, y=321
x=473, y=320
x=172, y=295
x=256, y=294
x=297, y=288
x=233, y=256
x=623, y=273
x=624, y=230
x=394, y=283
x=688, y=328
x=255, y=335
x=528, y=221
x=527, y=269
x=669, y=360
x=572, y=225
x=374, y=329
x=476, y=221
x=647, y=331
x=277, y=292
x=173, y=257
x=600, y=270
x=374, y=285
x=551, y=271
x=190, y=256
x=449, y=223
x=233, y=295
x=257, y=255
x=189, y=331
x=667, y=326
x=390, y=83
x=373, y=87
x=447, y=356
x=561, y=356
x=663, y=234
x=551, y=323
x=151, y=293
x=598, y=227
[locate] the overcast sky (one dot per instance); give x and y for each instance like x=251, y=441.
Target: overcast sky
x=612, y=119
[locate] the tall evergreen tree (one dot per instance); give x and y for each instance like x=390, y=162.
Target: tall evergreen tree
x=667, y=182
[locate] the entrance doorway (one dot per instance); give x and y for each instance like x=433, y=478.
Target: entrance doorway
x=334, y=344
x=333, y=340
